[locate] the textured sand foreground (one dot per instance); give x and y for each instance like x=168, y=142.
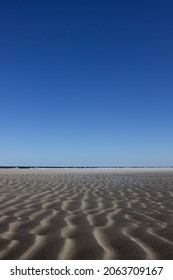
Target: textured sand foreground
x=86, y=213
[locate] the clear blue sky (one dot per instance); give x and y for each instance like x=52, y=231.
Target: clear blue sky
x=86, y=82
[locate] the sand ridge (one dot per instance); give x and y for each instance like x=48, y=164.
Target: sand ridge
x=86, y=213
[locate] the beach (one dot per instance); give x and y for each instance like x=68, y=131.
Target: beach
x=87, y=213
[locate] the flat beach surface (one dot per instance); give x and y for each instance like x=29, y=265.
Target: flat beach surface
x=86, y=213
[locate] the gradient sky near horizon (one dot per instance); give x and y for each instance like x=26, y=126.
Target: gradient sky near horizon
x=86, y=82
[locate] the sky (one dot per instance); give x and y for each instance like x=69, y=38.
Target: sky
x=86, y=83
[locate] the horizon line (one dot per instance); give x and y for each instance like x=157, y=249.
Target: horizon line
x=87, y=166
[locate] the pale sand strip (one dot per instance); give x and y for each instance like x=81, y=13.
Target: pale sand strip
x=86, y=213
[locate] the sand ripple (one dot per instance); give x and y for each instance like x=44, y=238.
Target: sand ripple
x=86, y=214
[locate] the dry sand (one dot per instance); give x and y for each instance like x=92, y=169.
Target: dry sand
x=86, y=213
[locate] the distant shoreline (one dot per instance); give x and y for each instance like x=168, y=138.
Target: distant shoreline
x=78, y=167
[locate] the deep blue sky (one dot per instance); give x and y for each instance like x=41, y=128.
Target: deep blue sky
x=86, y=82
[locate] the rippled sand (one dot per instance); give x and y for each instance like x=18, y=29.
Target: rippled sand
x=86, y=213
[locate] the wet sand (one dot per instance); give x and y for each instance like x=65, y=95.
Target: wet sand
x=86, y=214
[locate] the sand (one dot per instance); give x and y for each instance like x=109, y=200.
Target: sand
x=86, y=214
